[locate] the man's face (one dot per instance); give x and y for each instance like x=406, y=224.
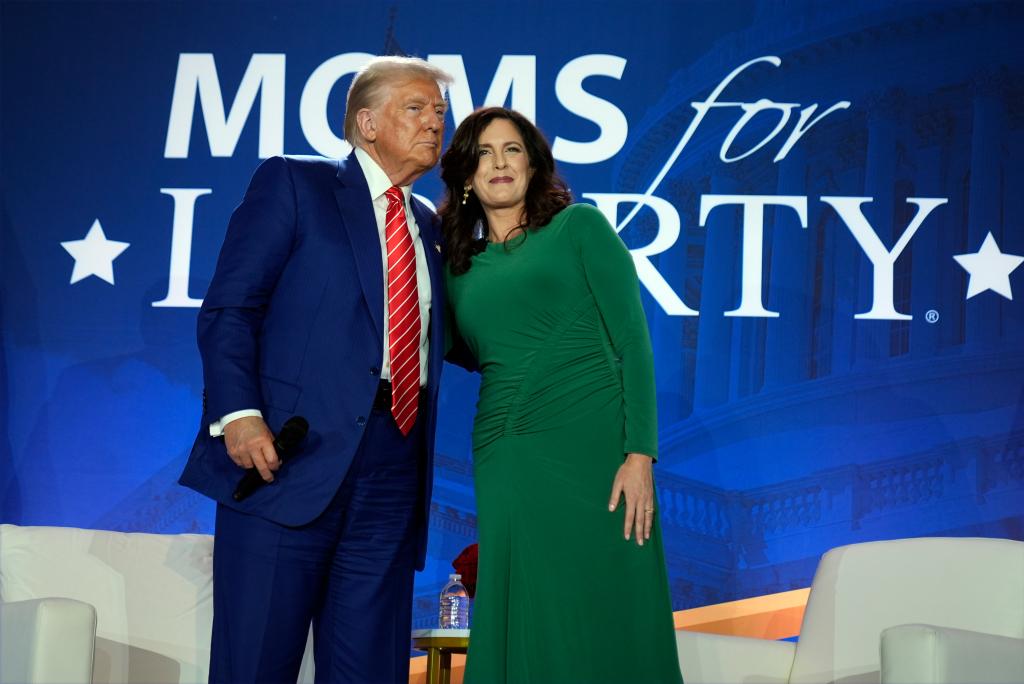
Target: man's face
x=409, y=126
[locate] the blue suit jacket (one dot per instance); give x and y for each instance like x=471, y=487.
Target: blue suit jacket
x=293, y=325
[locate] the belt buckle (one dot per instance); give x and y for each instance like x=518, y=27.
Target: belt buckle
x=382, y=400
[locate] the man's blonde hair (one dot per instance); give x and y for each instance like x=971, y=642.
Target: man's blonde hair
x=369, y=87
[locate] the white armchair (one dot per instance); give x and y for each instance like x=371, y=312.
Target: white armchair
x=909, y=611
x=150, y=598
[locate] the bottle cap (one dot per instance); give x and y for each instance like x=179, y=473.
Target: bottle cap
x=455, y=577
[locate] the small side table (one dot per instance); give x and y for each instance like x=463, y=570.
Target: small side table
x=439, y=645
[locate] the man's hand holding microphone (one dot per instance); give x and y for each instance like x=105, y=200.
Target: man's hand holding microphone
x=252, y=446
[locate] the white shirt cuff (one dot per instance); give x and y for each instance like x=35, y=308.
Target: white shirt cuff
x=217, y=427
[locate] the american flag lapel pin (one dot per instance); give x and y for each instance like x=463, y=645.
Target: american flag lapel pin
x=437, y=246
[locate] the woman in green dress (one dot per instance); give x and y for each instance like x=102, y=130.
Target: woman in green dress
x=572, y=584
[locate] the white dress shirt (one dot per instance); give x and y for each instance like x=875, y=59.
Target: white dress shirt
x=379, y=183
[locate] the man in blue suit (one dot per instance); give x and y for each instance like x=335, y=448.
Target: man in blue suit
x=327, y=302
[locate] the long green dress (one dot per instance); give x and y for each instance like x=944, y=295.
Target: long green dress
x=567, y=389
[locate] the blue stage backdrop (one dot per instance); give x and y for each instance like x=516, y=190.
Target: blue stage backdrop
x=825, y=202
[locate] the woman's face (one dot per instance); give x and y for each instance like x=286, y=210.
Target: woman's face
x=503, y=170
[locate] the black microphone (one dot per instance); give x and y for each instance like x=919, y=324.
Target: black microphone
x=285, y=444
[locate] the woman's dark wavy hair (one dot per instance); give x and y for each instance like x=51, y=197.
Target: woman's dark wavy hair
x=546, y=194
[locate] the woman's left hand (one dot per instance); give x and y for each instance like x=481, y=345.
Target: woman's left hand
x=635, y=481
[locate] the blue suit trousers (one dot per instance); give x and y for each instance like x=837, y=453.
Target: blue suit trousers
x=349, y=572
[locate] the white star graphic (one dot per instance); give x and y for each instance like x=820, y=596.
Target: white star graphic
x=94, y=255
x=989, y=268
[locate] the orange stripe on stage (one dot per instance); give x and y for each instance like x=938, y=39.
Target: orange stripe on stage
x=774, y=616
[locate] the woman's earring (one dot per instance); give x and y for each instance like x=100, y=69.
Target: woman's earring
x=465, y=194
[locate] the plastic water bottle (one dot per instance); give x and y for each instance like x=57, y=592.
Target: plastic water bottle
x=454, y=613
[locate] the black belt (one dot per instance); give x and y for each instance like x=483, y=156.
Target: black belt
x=382, y=402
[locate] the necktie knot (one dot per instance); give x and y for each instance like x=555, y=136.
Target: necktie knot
x=394, y=194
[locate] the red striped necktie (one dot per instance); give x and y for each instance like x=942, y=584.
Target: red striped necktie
x=403, y=314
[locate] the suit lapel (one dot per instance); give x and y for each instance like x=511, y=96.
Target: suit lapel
x=353, y=197
x=426, y=221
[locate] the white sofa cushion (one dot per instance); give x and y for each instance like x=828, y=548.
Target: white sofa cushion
x=717, y=659
x=926, y=654
x=46, y=641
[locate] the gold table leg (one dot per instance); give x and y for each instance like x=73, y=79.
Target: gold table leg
x=434, y=659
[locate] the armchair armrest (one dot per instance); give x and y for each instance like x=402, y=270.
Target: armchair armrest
x=717, y=659
x=926, y=654
x=47, y=641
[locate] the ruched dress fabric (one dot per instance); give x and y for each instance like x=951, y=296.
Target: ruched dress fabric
x=555, y=322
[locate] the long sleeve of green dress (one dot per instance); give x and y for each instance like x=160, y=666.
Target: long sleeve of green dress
x=612, y=278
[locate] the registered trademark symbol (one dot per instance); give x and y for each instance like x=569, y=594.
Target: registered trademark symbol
x=932, y=316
